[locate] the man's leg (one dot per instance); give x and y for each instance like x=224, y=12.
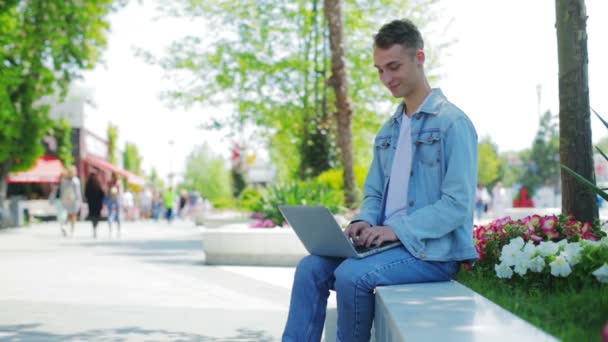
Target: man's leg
x=313, y=279
x=356, y=280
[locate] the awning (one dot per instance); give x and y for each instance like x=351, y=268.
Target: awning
x=47, y=169
x=105, y=165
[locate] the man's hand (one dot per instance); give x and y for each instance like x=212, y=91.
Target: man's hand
x=375, y=235
x=354, y=230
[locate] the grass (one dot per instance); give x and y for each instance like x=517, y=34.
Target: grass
x=567, y=313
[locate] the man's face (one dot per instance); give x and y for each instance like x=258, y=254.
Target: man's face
x=399, y=68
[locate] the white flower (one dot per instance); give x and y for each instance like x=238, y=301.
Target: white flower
x=521, y=267
x=604, y=241
x=537, y=264
x=529, y=250
x=510, y=254
x=560, y=267
x=572, y=253
x=503, y=271
x=548, y=248
x=562, y=243
x=517, y=243
x=602, y=273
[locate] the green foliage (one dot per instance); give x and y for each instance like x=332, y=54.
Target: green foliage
x=543, y=162
x=489, y=163
x=299, y=193
x=208, y=175
x=510, y=174
x=251, y=200
x=334, y=178
x=570, y=314
x=62, y=132
x=112, y=143
x=262, y=57
x=132, y=159
x=45, y=45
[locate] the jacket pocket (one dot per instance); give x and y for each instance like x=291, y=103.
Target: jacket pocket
x=383, y=147
x=428, y=148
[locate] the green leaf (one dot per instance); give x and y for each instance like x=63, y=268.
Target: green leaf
x=581, y=179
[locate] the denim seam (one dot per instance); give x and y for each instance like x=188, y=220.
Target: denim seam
x=358, y=287
x=314, y=310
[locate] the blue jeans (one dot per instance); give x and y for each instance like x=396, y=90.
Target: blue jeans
x=113, y=211
x=354, y=281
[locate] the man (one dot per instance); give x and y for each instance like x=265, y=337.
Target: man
x=420, y=190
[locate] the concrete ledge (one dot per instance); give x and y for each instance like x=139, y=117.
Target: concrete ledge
x=240, y=245
x=446, y=311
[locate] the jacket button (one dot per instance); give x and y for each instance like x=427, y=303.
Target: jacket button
x=411, y=173
x=411, y=203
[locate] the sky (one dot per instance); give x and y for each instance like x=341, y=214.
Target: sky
x=501, y=52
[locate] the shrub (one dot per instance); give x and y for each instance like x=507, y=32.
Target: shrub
x=299, y=193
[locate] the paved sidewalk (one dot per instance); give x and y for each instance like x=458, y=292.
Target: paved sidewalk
x=148, y=285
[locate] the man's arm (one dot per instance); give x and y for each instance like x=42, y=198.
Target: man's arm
x=371, y=207
x=457, y=190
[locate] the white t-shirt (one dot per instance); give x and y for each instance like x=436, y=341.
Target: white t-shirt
x=396, y=200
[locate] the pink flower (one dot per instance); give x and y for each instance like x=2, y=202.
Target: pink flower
x=549, y=227
x=586, y=232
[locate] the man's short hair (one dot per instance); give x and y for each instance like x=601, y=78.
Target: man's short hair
x=400, y=31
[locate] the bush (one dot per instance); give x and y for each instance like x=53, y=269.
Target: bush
x=335, y=178
x=300, y=193
x=251, y=200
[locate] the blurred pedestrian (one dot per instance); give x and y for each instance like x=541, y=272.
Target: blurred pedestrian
x=94, y=194
x=71, y=196
x=55, y=199
x=146, y=203
x=499, y=197
x=183, y=203
x=169, y=201
x=113, y=202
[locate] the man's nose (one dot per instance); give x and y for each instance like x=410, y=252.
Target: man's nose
x=386, y=78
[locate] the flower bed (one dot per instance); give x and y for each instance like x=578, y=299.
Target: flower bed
x=551, y=271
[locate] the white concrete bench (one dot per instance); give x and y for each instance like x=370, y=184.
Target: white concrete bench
x=446, y=311
x=238, y=244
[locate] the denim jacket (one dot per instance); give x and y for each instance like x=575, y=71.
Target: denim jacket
x=438, y=225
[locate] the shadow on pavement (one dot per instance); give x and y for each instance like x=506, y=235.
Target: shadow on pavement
x=31, y=332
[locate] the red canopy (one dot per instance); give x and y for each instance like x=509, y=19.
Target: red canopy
x=103, y=164
x=47, y=169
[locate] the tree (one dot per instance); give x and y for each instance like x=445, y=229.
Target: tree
x=543, y=160
x=45, y=45
x=132, y=159
x=576, y=151
x=62, y=132
x=208, y=175
x=489, y=163
x=344, y=108
x=112, y=143
x=257, y=60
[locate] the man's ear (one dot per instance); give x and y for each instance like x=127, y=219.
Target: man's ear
x=420, y=57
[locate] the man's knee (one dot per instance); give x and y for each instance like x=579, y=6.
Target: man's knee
x=350, y=275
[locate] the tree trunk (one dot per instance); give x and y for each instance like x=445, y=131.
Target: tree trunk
x=338, y=80
x=576, y=150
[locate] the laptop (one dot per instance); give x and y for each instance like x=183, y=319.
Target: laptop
x=318, y=230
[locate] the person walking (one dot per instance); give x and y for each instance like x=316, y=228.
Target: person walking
x=113, y=202
x=94, y=194
x=71, y=196
x=169, y=202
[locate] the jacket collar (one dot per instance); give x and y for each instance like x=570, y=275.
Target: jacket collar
x=430, y=106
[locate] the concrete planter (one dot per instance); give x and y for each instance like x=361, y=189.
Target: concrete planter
x=240, y=245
